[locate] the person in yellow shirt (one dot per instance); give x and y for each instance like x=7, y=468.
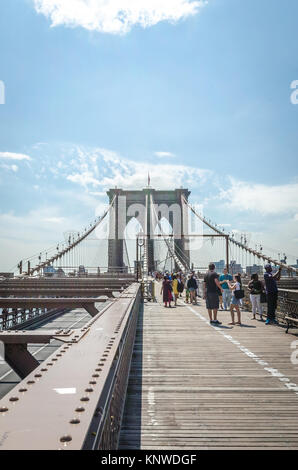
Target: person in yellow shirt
x=175, y=288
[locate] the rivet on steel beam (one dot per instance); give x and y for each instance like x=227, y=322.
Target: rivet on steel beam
x=30, y=382
x=92, y=382
x=44, y=370
x=89, y=390
x=65, y=439
x=74, y=421
x=95, y=375
x=85, y=399
x=80, y=409
x=13, y=399
x=23, y=390
x=3, y=409
x=49, y=364
x=38, y=375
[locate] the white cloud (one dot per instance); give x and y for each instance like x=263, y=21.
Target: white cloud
x=54, y=220
x=261, y=198
x=9, y=167
x=116, y=16
x=165, y=154
x=22, y=235
x=84, y=179
x=111, y=170
x=14, y=156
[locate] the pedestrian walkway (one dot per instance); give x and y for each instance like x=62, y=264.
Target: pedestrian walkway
x=196, y=386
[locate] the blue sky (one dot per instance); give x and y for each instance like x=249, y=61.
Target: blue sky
x=202, y=101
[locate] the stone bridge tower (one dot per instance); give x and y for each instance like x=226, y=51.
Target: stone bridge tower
x=129, y=204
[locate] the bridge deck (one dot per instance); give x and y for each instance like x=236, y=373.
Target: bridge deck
x=195, y=386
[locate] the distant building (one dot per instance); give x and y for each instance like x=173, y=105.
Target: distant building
x=219, y=265
x=235, y=267
x=254, y=269
x=49, y=271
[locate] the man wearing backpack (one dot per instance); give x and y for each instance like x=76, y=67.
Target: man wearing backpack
x=192, y=286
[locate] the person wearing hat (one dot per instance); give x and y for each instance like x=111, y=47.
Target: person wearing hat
x=272, y=292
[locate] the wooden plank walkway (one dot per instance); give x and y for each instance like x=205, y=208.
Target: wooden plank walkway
x=195, y=386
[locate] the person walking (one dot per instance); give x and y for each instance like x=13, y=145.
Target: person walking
x=235, y=302
x=192, y=286
x=166, y=291
x=272, y=292
x=255, y=288
x=175, y=288
x=226, y=293
x=187, y=293
x=210, y=289
x=180, y=284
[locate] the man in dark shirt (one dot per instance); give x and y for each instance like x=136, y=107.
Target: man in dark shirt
x=192, y=286
x=211, y=288
x=272, y=292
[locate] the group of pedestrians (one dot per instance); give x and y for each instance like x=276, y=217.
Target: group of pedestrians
x=174, y=285
x=216, y=286
x=224, y=289
x=231, y=291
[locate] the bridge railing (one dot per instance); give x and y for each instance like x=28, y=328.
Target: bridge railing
x=23, y=318
x=287, y=303
x=92, y=369
x=109, y=430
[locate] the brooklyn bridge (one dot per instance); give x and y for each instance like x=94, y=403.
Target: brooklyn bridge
x=91, y=359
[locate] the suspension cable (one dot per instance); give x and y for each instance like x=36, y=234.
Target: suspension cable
x=240, y=244
x=174, y=256
x=71, y=245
